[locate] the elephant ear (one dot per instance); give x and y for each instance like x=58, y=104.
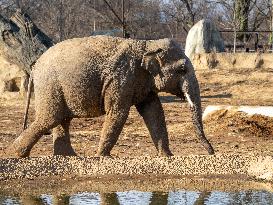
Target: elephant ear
x=152, y=62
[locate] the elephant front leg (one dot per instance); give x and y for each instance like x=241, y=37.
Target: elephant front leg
x=152, y=112
x=61, y=140
x=113, y=124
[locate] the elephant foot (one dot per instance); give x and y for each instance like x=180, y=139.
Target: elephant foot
x=64, y=152
x=22, y=152
x=209, y=148
x=63, y=148
x=167, y=153
x=103, y=154
x=211, y=151
x=15, y=150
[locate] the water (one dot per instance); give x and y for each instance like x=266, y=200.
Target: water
x=181, y=197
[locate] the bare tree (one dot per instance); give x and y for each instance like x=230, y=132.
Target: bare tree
x=181, y=15
x=145, y=19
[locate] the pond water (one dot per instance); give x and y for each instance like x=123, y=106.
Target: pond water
x=145, y=198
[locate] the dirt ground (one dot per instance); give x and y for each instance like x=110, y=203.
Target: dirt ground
x=227, y=133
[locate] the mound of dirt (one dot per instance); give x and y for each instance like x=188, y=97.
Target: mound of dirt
x=242, y=123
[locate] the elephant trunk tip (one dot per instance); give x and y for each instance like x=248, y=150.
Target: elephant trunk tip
x=209, y=148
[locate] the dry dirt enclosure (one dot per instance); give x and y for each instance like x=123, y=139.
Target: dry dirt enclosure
x=228, y=133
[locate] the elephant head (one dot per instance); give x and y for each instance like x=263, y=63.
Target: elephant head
x=21, y=42
x=173, y=72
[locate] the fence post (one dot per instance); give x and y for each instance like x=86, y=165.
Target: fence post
x=271, y=26
x=234, y=41
x=234, y=27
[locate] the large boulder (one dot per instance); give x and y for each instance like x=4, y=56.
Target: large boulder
x=22, y=43
x=204, y=37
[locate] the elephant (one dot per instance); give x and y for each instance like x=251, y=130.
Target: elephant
x=102, y=75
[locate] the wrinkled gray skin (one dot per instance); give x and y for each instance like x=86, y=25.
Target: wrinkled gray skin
x=21, y=42
x=89, y=77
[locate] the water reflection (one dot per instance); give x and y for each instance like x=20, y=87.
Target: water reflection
x=31, y=200
x=109, y=198
x=60, y=200
x=144, y=198
x=159, y=198
x=202, y=198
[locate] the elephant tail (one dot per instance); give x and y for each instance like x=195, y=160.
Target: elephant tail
x=30, y=84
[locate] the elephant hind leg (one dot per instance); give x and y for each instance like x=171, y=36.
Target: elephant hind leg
x=29, y=137
x=61, y=139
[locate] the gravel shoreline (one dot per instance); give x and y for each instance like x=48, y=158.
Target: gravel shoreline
x=251, y=166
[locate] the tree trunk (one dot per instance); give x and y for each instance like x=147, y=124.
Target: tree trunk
x=242, y=9
x=61, y=22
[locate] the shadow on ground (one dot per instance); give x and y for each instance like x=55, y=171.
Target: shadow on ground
x=218, y=96
x=169, y=99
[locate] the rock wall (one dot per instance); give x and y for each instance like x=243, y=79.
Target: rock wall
x=231, y=60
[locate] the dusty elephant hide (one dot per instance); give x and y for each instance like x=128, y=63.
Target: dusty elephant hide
x=93, y=76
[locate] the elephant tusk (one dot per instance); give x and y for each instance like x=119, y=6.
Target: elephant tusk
x=189, y=99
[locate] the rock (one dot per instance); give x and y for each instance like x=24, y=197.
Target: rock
x=22, y=44
x=204, y=37
x=10, y=77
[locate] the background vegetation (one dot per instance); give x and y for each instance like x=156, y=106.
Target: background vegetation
x=149, y=19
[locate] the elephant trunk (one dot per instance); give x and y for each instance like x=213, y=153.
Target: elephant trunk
x=191, y=90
